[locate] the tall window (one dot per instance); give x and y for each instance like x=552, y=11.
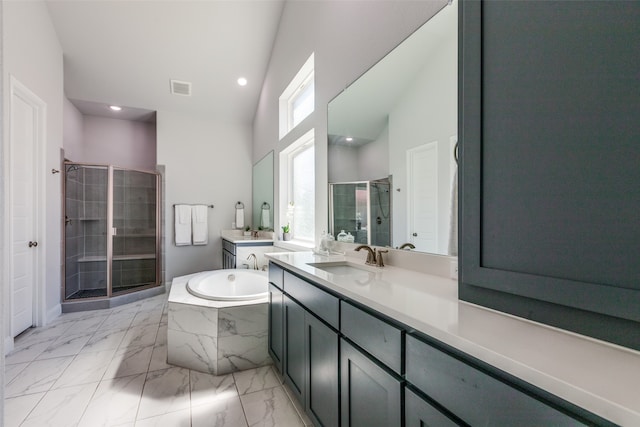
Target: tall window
x=298, y=183
x=298, y=99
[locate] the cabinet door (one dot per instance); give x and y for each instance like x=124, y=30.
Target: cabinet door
x=549, y=127
x=294, y=347
x=420, y=413
x=370, y=396
x=228, y=260
x=322, y=392
x=276, y=326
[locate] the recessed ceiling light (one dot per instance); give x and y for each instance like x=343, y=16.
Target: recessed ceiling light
x=349, y=139
x=242, y=81
x=115, y=107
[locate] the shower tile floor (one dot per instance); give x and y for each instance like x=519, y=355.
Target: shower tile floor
x=108, y=368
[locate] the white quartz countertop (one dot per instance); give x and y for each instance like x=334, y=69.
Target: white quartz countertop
x=237, y=236
x=600, y=377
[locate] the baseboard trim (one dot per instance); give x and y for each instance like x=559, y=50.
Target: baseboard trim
x=8, y=345
x=53, y=313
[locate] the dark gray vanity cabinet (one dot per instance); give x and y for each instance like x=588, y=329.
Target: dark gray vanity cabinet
x=276, y=325
x=276, y=315
x=549, y=127
x=474, y=396
x=311, y=356
x=420, y=413
x=371, y=396
x=370, y=369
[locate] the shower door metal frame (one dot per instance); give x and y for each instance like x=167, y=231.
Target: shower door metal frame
x=331, y=216
x=111, y=230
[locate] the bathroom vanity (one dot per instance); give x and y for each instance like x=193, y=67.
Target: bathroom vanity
x=392, y=347
x=236, y=248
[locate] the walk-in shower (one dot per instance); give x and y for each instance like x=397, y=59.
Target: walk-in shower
x=362, y=208
x=111, y=232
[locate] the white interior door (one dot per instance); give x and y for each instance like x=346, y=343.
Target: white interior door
x=422, y=197
x=25, y=131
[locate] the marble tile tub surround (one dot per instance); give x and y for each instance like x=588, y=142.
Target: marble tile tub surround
x=216, y=337
x=109, y=368
x=595, y=375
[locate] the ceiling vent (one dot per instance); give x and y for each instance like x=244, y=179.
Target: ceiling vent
x=180, y=88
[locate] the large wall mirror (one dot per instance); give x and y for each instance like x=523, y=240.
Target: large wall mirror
x=262, y=197
x=392, y=135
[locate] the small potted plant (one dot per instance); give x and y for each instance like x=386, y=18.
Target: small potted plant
x=286, y=232
x=247, y=231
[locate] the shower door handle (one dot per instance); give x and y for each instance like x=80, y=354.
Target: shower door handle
x=415, y=234
x=114, y=231
x=33, y=244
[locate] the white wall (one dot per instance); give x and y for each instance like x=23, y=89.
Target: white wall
x=206, y=162
x=348, y=37
x=124, y=143
x=73, y=132
x=373, y=158
x=2, y=202
x=33, y=55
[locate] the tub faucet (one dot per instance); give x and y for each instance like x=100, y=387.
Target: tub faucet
x=371, y=255
x=255, y=260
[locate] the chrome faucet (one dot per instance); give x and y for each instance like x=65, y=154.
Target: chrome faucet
x=407, y=245
x=255, y=260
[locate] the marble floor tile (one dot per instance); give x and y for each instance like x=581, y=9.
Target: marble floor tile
x=11, y=371
x=104, y=340
x=156, y=303
x=270, y=407
x=37, y=335
x=38, y=376
x=68, y=345
x=85, y=368
x=129, y=361
x=164, y=392
x=16, y=409
x=174, y=419
x=257, y=379
x=62, y=407
x=159, y=358
x=89, y=324
x=118, y=321
x=29, y=352
x=207, y=388
x=150, y=317
x=222, y=412
x=305, y=418
x=115, y=402
x=139, y=336
x=161, y=338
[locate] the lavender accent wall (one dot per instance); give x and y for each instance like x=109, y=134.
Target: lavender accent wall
x=124, y=143
x=73, y=131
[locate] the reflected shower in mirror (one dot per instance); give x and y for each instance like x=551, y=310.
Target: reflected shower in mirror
x=399, y=119
x=360, y=212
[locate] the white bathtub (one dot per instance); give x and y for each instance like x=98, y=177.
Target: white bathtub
x=230, y=285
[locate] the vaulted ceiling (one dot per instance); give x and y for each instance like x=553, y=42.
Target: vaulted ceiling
x=126, y=52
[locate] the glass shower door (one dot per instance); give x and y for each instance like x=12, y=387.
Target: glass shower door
x=135, y=223
x=85, y=229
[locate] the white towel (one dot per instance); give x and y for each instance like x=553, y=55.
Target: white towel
x=265, y=220
x=200, y=225
x=182, y=214
x=239, y=217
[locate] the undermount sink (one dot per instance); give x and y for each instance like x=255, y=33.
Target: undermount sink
x=340, y=268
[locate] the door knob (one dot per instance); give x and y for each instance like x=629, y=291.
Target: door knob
x=33, y=244
x=415, y=234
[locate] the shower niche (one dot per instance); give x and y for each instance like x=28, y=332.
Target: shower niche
x=362, y=209
x=111, y=231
